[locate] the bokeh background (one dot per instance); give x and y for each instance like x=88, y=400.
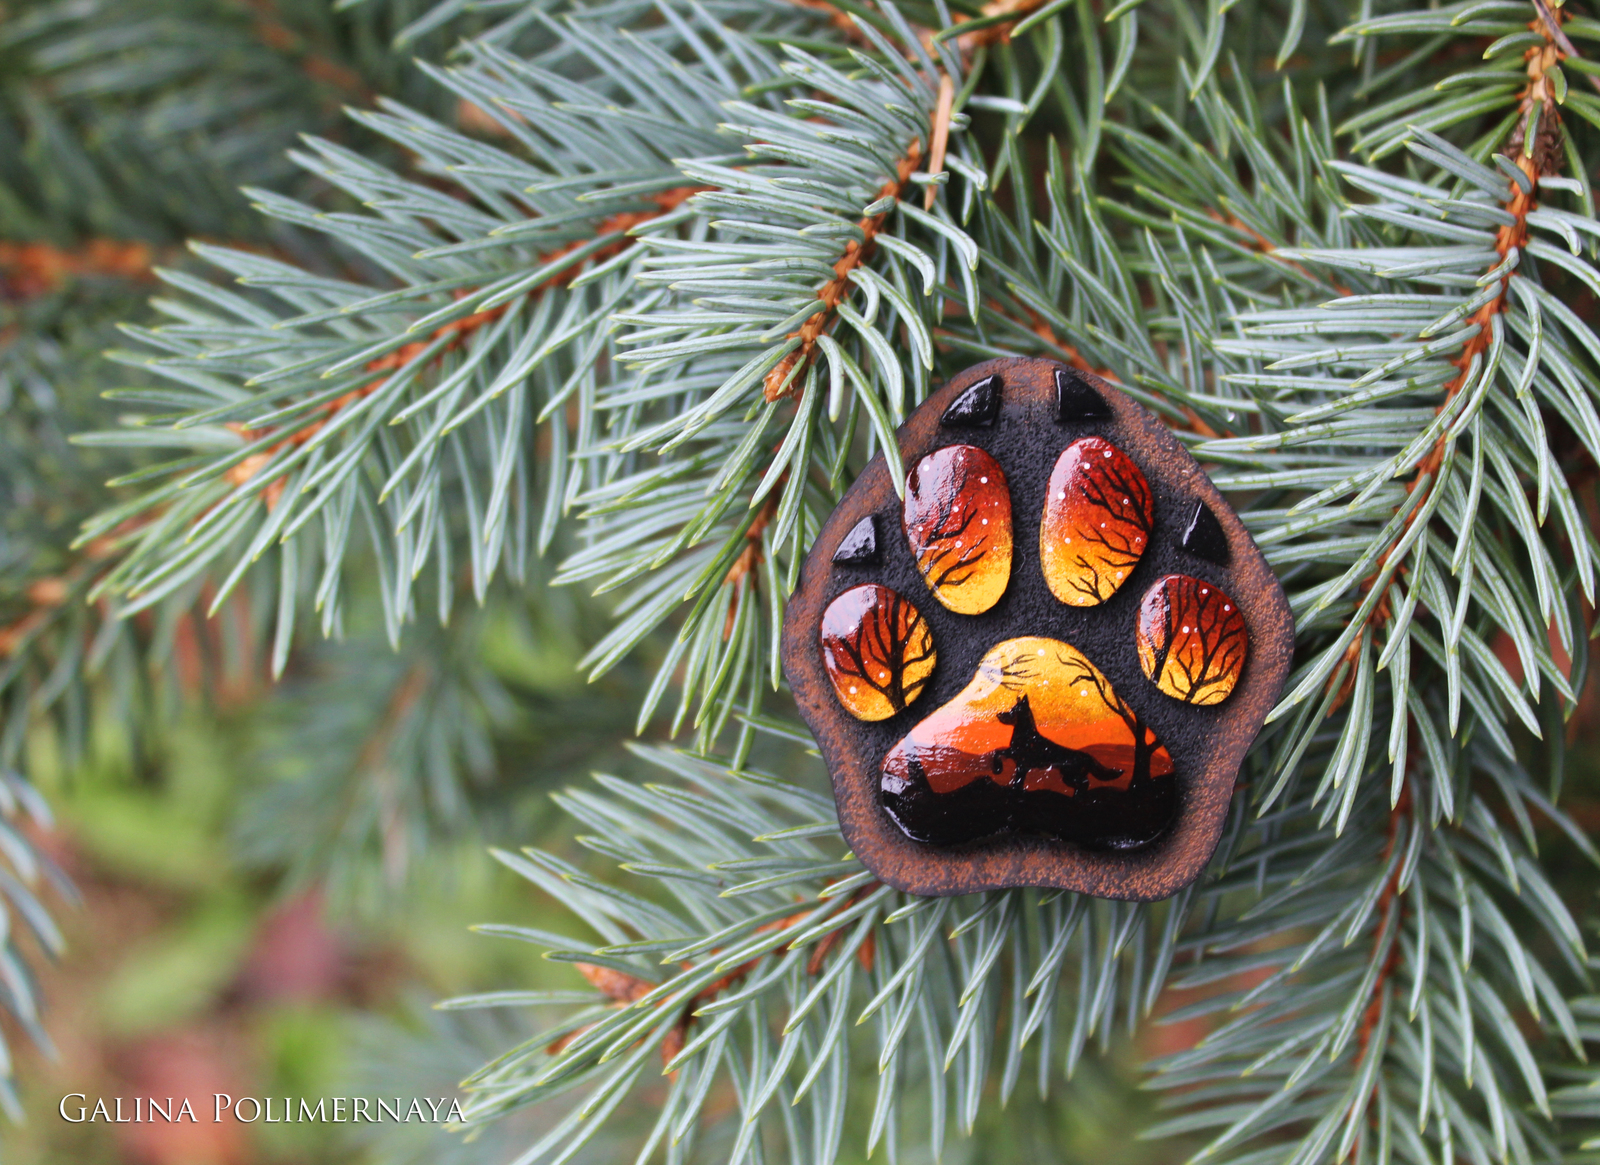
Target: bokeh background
x=198, y=963
x=266, y=888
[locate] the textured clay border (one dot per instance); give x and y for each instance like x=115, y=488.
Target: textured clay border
x=1207, y=748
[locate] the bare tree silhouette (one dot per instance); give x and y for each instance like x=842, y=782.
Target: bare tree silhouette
x=1096, y=523
x=951, y=517
x=888, y=649
x=1192, y=639
x=1081, y=671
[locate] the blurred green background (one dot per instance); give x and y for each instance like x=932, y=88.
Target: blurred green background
x=198, y=966
x=277, y=882
x=201, y=963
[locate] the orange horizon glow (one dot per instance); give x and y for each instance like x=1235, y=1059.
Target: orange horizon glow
x=1064, y=692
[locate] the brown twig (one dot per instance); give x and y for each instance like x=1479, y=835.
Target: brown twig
x=1551, y=27
x=940, y=138
x=788, y=371
x=455, y=333
x=271, y=31
x=1263, y=244
x=1390, y=906
x=1390, y=910
x=750, y=558
x=28, y=270
x=49, y=594
x=1036, y=324
x=967, y=42
x=1534, y=162
x=625, y=989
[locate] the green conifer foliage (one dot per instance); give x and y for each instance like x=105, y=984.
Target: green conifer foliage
x=654, y=303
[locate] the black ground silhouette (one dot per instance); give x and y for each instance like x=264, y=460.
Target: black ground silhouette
x=1093, y=813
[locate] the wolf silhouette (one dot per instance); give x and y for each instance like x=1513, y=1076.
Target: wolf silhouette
x=1030, y=751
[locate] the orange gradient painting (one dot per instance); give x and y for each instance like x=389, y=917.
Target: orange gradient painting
x=1192, y=639
x=1096, y=523
x=1037, y=716
x=878, y=651
x=958, y=521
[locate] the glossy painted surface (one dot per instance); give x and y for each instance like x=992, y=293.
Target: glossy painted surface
x=860, y=546
x=878, y=651
x=977, y=407
x=1076, y=400
x=1192, y=639
x=958, y=521
x=1096, y=522
x=1037, y=742
x=1203, y=536
x=1053, y=817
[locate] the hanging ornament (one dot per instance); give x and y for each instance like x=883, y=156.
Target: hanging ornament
x=1044, y=664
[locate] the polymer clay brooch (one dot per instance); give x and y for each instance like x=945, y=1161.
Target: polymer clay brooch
x=1043, y=665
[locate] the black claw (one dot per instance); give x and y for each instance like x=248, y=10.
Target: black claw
x=1203, y=536
x=860, y=545
x=978, y=406
x=1076, y=401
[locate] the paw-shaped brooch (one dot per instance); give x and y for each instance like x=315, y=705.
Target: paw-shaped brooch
x=1043, y=665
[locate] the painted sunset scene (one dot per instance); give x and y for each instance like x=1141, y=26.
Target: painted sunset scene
x=1038, y=741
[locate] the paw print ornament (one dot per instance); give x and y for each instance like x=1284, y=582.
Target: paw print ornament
x=1043, y=665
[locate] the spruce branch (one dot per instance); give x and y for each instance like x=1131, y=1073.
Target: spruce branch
x=780, y=381
x=1350, y=291
x=1510, y=238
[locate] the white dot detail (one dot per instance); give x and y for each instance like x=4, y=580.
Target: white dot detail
x=983, y=481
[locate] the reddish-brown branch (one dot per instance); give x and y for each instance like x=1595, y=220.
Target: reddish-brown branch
x=788, y=372
x=1263, y=244
x=625, y=989
x=1390, y=912
x=1389, y=909
x=455, y=333
x=280, y=38
x=28, y=270
x=1519, y=204
x=1070, y=354
x=939, y=140
x=47, y=595
x=1000, y=33
x=965, y=43
x=841, y=20
x=1534, y=162
x=44, y=596
x=750, y=559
